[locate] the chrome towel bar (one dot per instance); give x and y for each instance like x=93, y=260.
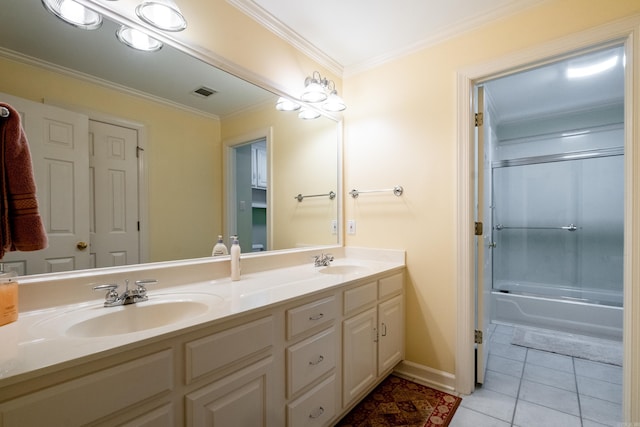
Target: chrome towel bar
x=4, y=112
x=397, y=190
x=331, y=195
x=570, y=227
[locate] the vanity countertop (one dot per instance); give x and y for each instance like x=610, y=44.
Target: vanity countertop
x=40, y=340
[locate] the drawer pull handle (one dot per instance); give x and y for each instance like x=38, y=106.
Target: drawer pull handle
x=384, y=329
x=316, y=316
x=317, y=361
x=317, y=413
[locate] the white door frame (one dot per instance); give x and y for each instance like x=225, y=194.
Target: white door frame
x=627, y=31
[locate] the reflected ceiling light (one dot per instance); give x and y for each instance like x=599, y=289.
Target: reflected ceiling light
x=590, y=70
x=74, y=13
x=308, y=114
x=162, y=14
x=284, y=104
x=137, y=39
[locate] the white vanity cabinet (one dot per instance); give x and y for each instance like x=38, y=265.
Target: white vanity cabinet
x=372, y=334
x=302, y=362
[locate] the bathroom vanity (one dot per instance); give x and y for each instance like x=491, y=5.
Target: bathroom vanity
x=296, y=345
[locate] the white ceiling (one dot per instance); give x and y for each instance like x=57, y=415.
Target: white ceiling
x=361, y=33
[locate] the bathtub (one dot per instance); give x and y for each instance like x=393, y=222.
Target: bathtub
x=597, y=314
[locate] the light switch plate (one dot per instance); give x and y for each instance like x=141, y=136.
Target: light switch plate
x=334, y=226
x=351, y=226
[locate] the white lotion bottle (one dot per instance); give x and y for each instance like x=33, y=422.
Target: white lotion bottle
x=235, y=259
x=219, y=248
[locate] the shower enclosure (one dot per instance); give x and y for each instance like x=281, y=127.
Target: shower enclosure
x=557, y=234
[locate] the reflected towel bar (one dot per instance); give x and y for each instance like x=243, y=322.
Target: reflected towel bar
x=397, y=190
x=331, y=195
x=570, y=227
x=4, y=112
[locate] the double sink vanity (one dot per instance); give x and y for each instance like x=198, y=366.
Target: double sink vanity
x=290, y=344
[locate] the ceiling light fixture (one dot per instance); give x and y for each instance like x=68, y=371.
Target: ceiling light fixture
x=74, y=13
x=137, y=39
x=162, y=14
x=590, y=70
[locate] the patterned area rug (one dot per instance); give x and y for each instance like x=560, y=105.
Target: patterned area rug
x=399, y=402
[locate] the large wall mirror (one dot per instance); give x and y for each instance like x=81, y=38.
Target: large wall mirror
x=186, y=159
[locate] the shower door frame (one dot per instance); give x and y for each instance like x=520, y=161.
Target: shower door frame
x=626, y=32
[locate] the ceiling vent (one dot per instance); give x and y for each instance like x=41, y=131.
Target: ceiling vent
x=204, y=92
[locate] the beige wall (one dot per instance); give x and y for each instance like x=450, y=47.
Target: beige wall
x=303, y=161
x=182, y=156
x=404, y=132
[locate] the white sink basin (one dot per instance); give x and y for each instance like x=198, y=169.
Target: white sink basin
x=343, y=269
x=162, y=310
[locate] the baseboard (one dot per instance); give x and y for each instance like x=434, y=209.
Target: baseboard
x=441, y=380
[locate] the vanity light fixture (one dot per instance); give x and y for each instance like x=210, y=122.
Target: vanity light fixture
x=74, y=13
x=308, y=114
x=137, y=39
x=162, y=14
x=318, y=89
x=284, y=104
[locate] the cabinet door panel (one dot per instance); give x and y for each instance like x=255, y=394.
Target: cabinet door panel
x=359, y=354
x=237, y=400
x=390, y=333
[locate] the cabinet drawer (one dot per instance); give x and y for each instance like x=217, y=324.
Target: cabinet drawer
x=308, y=316
x=314, y=408
x=310, y=359
x=85, y=399
x=359, y=297
x=391, y=285
x=205, y=355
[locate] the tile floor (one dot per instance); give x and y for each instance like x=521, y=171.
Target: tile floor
x=532, y=388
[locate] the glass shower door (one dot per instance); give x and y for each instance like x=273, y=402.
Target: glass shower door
x=558, y=228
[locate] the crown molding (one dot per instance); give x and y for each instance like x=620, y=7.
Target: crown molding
x=272, y=24
x=461, y=27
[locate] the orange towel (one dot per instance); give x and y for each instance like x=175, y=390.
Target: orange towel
x=21, y=226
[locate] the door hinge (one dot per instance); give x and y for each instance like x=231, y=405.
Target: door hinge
x=479, y=119
x=477, y=338
x=138, y=225
x=477, y=229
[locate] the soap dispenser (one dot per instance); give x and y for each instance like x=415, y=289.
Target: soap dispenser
x=219, y=248
x=235, y=259
x=8, y=297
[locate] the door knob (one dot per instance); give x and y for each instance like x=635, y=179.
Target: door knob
x=81, y=245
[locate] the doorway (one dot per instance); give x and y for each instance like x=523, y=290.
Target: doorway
x=247, y=194
x=614, y=34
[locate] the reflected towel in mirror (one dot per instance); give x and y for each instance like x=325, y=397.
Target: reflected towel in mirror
x=21, y=226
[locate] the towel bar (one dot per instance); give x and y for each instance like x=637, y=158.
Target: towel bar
x=4, y=112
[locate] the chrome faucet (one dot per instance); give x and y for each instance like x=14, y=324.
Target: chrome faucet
x=129, y=296
x=322, y=260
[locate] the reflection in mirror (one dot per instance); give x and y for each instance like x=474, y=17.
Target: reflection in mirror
x=178, y=180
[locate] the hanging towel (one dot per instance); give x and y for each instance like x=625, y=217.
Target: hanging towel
x=21, y=227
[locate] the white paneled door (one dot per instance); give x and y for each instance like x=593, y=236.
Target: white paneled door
x=81, y=206
x=113, y=174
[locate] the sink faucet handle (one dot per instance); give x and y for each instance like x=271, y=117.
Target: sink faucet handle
x=142, y=286
x=112, y=294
